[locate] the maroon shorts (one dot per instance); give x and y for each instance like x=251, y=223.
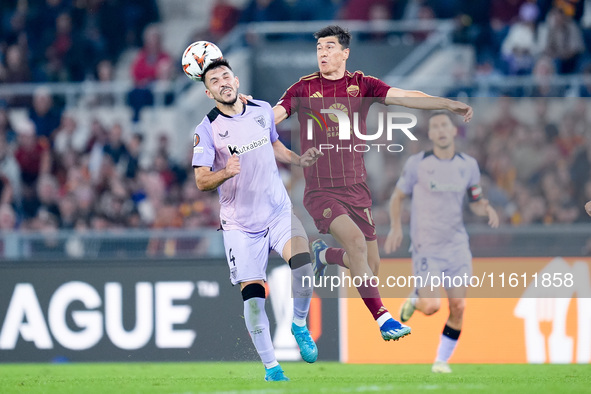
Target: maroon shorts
x=324, y=205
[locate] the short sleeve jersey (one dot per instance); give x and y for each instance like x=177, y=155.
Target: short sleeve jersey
x=252, y=199
x=438, y=188
x=354, y=93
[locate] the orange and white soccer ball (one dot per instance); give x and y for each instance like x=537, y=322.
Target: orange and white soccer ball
x=198, y=56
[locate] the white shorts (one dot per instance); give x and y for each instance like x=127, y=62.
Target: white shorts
x=456, y=263
x=248, y=253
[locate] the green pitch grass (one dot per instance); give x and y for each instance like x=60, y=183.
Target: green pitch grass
x=323, y=377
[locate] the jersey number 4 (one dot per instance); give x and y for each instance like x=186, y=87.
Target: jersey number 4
x=232, y=258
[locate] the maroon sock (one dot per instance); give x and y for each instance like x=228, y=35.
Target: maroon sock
x=335, y=256
x=371, y=298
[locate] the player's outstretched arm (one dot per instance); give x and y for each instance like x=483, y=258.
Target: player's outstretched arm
x=207, y=180
x=419, y=100
x=394, y=238
x=280, y=113
x=588, y=208
x=483, y=208
x=287, y=156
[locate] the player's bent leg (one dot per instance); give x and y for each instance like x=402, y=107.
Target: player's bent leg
x=295, y=245
x=423, y=300
x=257, y=323
x=297, y=255
x=346, y=232
x=429, y=306
x=300, y=245
x=428, y=300
x=350, y=237
x=408, y=308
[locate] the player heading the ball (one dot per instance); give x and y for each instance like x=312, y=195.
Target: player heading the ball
x=235, y=151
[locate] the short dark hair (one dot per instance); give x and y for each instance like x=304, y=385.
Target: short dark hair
x=213, y=65
x=341, y=34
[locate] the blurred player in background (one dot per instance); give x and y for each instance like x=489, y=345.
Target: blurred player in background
x=336, y=195
x=588, y=208
x=438, y=180
x=235, y=148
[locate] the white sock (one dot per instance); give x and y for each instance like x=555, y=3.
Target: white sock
x=271, y=365
x=302, y=295
x=383, y=318
x=446, y=348
x=257, y=324
x=322, y=256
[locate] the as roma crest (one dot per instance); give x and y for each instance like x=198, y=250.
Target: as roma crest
x=353, y=90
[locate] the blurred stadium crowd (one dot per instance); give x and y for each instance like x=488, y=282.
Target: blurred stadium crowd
x=55, y=175
x=74, y=40
x=534, y=156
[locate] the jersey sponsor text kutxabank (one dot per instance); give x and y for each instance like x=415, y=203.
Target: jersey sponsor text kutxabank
x=438, y=188
x=354, y=93
x=251, y=200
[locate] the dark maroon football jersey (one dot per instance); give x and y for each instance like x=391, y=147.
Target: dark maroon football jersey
x=354, y=93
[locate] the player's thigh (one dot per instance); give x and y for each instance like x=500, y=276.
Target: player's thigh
x=348, y=234
x=358, y=203
x=324, y=207
x=457, y=266
x=247, y=255
x=362, y=217
x=287, y=236
x=295, y=245
x=427, y=275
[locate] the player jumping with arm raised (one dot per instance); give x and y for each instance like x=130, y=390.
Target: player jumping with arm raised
x=336, y=195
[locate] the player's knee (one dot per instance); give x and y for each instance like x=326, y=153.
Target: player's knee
x=300, y=260
x=356, y=245
x=253, y=290
x=297, y=244
x=456, y=307
x=430, y=306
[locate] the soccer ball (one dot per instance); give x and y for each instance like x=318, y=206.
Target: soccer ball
x=198, y=56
